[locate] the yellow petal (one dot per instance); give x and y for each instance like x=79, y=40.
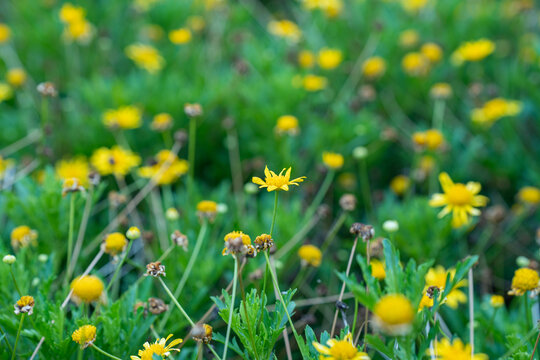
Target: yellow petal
x=321, y=349
x=437, y=200
x=285, y=187
x=266, y=172
x=272, y=188
x=473, y=187
x=257, y=180
x=446, y=181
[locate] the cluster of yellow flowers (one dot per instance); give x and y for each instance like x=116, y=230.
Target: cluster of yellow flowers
x=76, y=27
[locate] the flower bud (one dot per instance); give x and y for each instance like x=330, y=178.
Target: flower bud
x=43, y=258
x=390, y=226
x=360, y=152
x=522, y=261
x=172, y=214
x=9, y=259
x=133, y=233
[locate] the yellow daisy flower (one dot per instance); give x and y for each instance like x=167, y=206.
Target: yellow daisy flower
x=76, y=168
x=87, y=288
x=436, y=276
x=277, y=182
x=394, y=314
x=146, y=57
x=310, y=255
x=159, y=348
x=169, y=167
x=455, y=350
x=125, y=117
x=340, y=350
x=84, y=336
x=115, y=160
x=524, y=280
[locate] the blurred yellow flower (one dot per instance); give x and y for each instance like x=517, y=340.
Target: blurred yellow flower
x=473, y=51
x=400, y=184
x=331, y=8
x=310, y=255
x=180, y=36
x=377, y=269
x=161, y=122
x=146, y=57
x=115, y=161
x=496, y=301
x=285, y=29
x=70, y=13
x=415, y=64
x=5, y=33
x=494, y=110
x=332, y=160
x=114, y=243
x=81, y=31
x=306, y=59
x=446, y=350
x=5, y=92
x=312, y=82
x=87, y=288
x=340, y=350
x=167, y=168
x=374, y=67
x=529, y=195
x=413, y=5
x=76, y=168
x=440, y=91
x=329, y=59
x=159, y=348
x=23, y=236
x=408, y=38
x=4, y=165
x=436, y=276
x=432, y=52
x=287, y=124
x=196, y=23
x=125, y=117
x=273, y=182
x=144, y=5
x=432, y=139
x=394, y=314
x=16, y=77
x=84, y=336
x=524, y=280
x=459, y=199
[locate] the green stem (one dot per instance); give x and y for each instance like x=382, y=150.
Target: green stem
x=70, y=234
x=231, y=308
x=320, y=195
x=355, y=317
x=18, y=335
x=104, y=352
x=79, y=354
x=5, y=339
x=15, y=280
x=274, y=213
x=176, y=302
x=438, y=114
x=117, y=271
x=191, y=151
x=527, y=311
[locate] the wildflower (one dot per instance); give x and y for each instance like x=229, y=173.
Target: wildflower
x=157, y=306
x=331, y=8
x=274, y=182
x=366, y=232
x=24, y=305
x=374, y=67
x=115, y=243
x=145, y=57
x=415, y=64
x=400, y=184
x=285, y=29
x=446, y=350
x=115, y=160
x=5, y=92
x=432, y=139
x=377, y=269
x=408, y=38
x=87, y=289
x=413, y=5
x=287, y=124
x=144, y=5
x=9, y=259
x=125, y=117
x=312, y=82
x=80, y=31
x=180, y=36
x=263, y=242
x=440, y=91
x=71, y=185
x=180, y=239
x=47, y=89
x=202, y=332
x=70, y=13
x=347, y=202
x=332, y=160
x=360, y=152
x=155, y=269
x=436, y=277
x=394, y=314
x=524, y=280
x=473, y=51
x=340, y=350
x=76, y=168
x=157, y=348
x=310, y=255
x=494, y=110
x=172, y=214
x=196, y=23
x=84, y=336
x=496, y=301
x=529, y=195
x=23, y=236
x=161, y=122
x=329, y=59
x=306, y=59
x=236, y=242
x=5, y=33
x=193, y=110
x=165, y=169
x=459, y=199
x=133, y=233
x=432, y=52
x=16, y=77
x=390, y=226
x=207, y=209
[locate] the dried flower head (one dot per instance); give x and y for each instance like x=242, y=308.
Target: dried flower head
x=84, y=336
x=180, y=239
x=366, y=232
x=24, y=305
x=116, y=199
x=264, y=242
x=202, y=332
x=23, y=236
x=347, y=202
x=47, y=89
x=193, y=110
x=157, y=306
x=236, y=242
x=94, y=178
x=155, y=269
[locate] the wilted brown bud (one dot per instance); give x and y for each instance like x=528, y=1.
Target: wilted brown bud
x=157, y=306
x=180, y=239
x=376, y=247
x=389, y=134
x=366, y=232
x=138, y=305
x=348, y=202
x=264, y=242
x=116, y=199
x=367, y=93
x=323, y=211
x=155, y=269
x=193, y=110
x=148, y=236
x=94, y=178
x=47, y=89
x=202, y=333
x=495, y=213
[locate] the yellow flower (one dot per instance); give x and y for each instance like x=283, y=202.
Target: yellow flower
x=115, y=160
x=16, y=77
x=23, y=236
x=287, y=124
x=24, y=305
x=437, y=277
x=432, y=139
x=81, y=31
x=70, y=13
x=167, y=168
x=329, y=59
x=196, y=23
x=494, y=110
x=496, y=301
x=4, y=165
x=432, y=52
x=400, y=184
x=285, y=29
x=180, y=36
x=87, y=288
x=529, y=195
x=331, y=8
x=455, y=350
x=408, y=38
x=413, y=5
x=84, y=336
x=76, y=168
x=459, y=199
x=312, y=82
x=5, y=33
x=340, y=350
x=374, y=67
x=415, y=64
x=332, y=160
x=161, y=122
x=310, y=255
x=272, y=181
x=207, y=209
x=440, y=91
x=5, y=92
x=306, y=59
x=394, y=314
x=145, y=57
x=236, y=242
x=524, y=280
x=377, y=269
x=473, y=51
x=114, y=243
x=133, y=233
x=125, y=117
x=158, y=348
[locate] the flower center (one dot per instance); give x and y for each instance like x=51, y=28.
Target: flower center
x=459, y=195
x=343, y=350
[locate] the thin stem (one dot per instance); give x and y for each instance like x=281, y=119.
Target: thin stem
x=471, y=311
x=535, y=345
x=79, y=354
x=104, y=352
x=527, y=311
x=274, y=213
x=191, y=151
x=176, y=302
x=70, y=235
x=15, y=280
x=231, y=308
x=250, y=330
x=82, y=230
x=18, y=335
x=366, y=312
x=320, y=194
x=355, y=317
x=117, y=271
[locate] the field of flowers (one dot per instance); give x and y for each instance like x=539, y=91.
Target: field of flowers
x=265, y=179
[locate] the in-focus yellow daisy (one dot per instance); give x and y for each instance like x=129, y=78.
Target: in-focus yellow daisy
x=287, y=124
x=524, y=280
x=436, y=276
x=329, y=59
x=459, y=199
x=272, y=181
x=76, y=168
x=310, y=255
x=146, y=57
x=494, y=110
x=23, y=236
x=529, y=195
x=5, y=33
x=125, y=117
x=84, y=336
x=340, y=350
x=394, y=314
x=159, y=348
x=87, y=289
x=374, y=67
x=455, y=350
x=24, y=305
x=285, y=29
x=332, y=160
x=473, y=51
x=166, y=168
x=115, y=160
x=180, y=36
x=312, y=82
x=16, y=77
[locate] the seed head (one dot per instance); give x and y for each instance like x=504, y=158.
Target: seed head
x=155, y=269
x=157, y=306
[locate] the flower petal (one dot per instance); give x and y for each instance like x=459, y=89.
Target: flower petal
x=446, y=181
